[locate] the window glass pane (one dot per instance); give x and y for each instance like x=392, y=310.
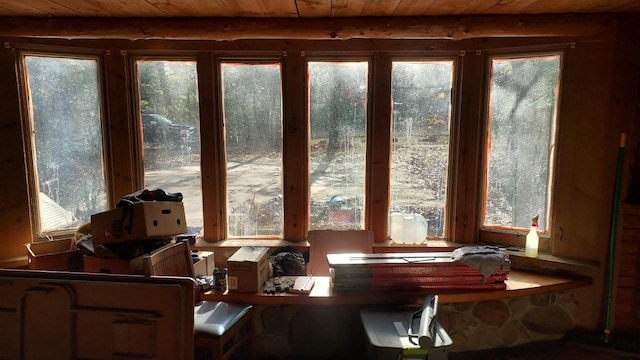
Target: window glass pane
x=65, y=105
x=421, y=92
x=252, y=100
x=171, y=132
x=338, y=97
x=524, y=93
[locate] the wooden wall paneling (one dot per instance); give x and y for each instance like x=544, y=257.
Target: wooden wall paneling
x=413, y=8
x=444, y=7
x=287, y=8
x=110, y=8
x=32, y=8
x=208, y=8
x=314, y=8
x=14, y=210
x=626, y=94
x=296, y=141
x=445, y=27
x=492, y=7
x=542, y=6
x=380, y=8
x=212, y=153
x=264, y=8
x=347, y=8
x=627, y=268
x=378, y=164
x=468, y=137
x=584, y=174
x=124, y=165
x=177, y=8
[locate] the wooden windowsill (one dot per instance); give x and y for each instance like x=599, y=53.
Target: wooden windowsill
x=544, y=263
x=520, y=283
x=14, y=262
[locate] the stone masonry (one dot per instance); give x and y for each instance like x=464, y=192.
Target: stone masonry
x=321, y=331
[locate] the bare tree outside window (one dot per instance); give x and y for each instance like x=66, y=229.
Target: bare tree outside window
x=421, y=95
x=252, y=104
x=521, y=138
x=337, y=103
x=65, y=105
x=170, y=118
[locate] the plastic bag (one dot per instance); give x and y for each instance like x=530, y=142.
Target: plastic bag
x=288, y=261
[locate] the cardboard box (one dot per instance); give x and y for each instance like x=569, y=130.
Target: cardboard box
x=144, y=220
x=137, y=265
x=94, y=264
x=248, y=268
x=206, y=264
x=54, y=255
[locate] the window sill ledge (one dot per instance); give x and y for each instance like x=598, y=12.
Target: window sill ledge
x=544, y=263
x=520, y=283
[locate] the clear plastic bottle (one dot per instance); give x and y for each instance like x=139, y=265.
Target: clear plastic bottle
x=532, y=241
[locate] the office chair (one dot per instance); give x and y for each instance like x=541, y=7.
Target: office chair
x=220, y=328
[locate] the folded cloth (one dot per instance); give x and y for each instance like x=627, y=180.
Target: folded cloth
x=485, y=258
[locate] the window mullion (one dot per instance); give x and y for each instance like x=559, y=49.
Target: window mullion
x=295, y=147
x=213, y=167
x=378, y=147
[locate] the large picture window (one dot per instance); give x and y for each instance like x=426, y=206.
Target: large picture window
x=385, y=141
x=421, y=94
x=252, y=106
x=168, y=103
x=521, y=140
x=64, y=100
x=337, y=115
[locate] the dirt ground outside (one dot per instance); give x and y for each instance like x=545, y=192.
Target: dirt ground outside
x=422, y=186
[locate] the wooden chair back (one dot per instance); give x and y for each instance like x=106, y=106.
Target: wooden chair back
x=174, y=260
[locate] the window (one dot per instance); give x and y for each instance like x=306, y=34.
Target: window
x=64, y=100
x=421, y=95
x=521, y=137
x=170, y=118
x=252, y=106
x=337, y=115
x=372, y=136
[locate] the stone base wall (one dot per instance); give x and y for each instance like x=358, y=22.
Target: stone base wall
x=337, y=332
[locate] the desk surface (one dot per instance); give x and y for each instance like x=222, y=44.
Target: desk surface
x=520, y=283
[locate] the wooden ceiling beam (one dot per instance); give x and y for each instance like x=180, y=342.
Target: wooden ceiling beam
x=226, y=29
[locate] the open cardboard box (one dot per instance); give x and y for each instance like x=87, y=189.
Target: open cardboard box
x=54, y=255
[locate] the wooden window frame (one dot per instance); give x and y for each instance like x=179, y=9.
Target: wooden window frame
x=514, y=237
x=24, y=50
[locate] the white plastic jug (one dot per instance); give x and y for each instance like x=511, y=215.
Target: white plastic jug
x=408, y=228
x=396, y=220
x=421, y=229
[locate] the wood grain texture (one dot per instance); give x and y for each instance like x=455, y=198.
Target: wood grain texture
x=304, y=8
x=455, y=28
x=520, y=283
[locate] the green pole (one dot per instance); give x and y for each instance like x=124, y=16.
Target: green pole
x=612, y=244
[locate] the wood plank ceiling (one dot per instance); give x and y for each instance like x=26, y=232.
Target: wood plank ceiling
x=304, y=8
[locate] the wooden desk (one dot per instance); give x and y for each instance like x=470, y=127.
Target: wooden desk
x=520, y=283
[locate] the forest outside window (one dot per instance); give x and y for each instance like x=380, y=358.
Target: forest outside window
x=337, y=116
x=421, y=118
x=169, y=112
x=252, y=111
x=65, y=108
x=520, y=150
